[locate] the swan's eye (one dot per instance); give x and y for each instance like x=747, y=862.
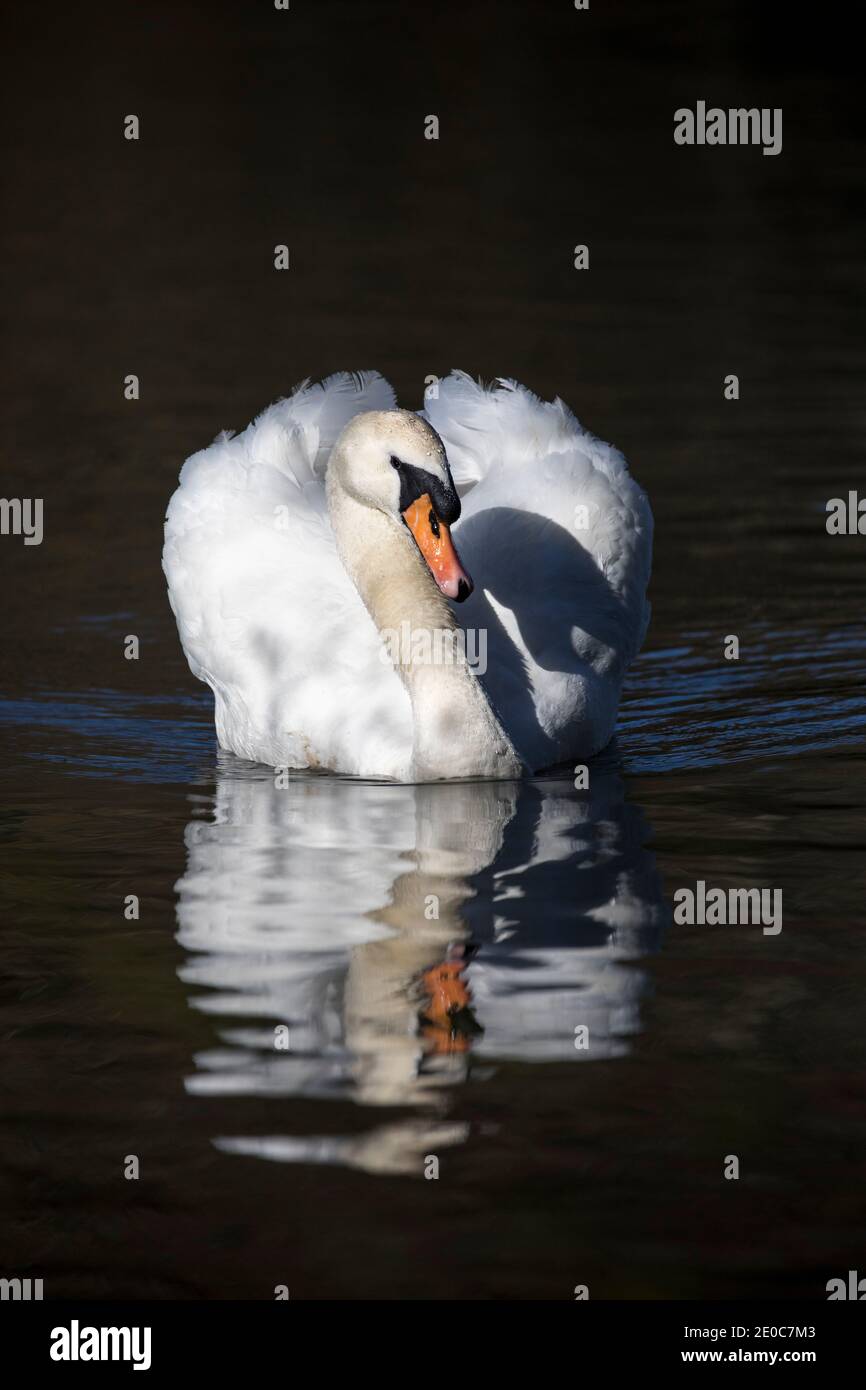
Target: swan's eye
x=418, y=482
x=434, y=522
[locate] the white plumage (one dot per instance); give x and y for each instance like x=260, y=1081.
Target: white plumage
x=554, y=531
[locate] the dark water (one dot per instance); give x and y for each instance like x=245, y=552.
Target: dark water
x=304, y=907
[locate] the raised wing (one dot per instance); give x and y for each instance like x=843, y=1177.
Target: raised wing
x=266, y=613
x=557, y=536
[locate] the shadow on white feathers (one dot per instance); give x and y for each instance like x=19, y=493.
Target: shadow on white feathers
x=287, y=592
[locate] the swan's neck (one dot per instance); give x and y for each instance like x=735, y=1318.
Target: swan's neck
x=456, y=733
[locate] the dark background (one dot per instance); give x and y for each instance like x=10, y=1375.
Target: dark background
x=306, y=127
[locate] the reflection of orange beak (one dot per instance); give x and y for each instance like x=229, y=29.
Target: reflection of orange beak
x=434, y=541
x=448, y=995
x=447, y=990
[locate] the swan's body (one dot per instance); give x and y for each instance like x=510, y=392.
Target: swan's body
x=305, y=606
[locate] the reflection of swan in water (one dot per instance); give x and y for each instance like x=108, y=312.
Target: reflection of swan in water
x=400, y=932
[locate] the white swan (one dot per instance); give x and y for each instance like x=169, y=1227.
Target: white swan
x=293, y=549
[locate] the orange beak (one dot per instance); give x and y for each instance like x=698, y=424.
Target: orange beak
x=433, y=539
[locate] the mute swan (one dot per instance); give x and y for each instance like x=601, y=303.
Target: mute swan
x=311, y=571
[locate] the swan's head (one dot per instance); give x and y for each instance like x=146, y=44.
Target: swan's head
x=394, y=461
